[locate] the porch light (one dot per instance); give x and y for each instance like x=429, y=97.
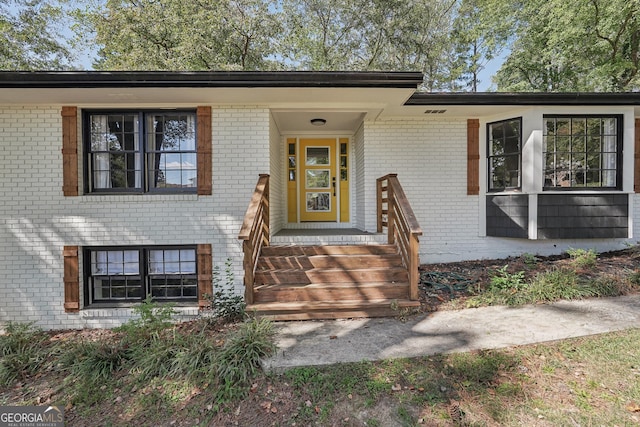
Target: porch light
x=318, y=122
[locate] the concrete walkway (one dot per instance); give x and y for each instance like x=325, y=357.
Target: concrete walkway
x=314, y=343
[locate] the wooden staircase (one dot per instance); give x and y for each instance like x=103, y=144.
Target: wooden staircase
x=330, y=282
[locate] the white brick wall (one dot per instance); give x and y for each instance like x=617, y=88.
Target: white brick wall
x=36, y=221
x=429, y=156
x=359, y=164
x=277, y=180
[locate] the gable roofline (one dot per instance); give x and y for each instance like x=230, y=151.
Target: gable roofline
x=210, y=79
x=524, y=98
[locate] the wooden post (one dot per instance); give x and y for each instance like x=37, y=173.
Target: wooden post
x=414, y=264
x=248, y=272
x=391, y=207
x=379, y=203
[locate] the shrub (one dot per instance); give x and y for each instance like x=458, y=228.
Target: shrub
x=239, y=360
x=583, y=258
x=23, y=351
x=152, y=319
x=97, y=361
x=225, y=303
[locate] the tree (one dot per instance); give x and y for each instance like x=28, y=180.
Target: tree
x=28, y=40
x=368, y=35
x=590, y=45
x=183, y=35
x=481, y=30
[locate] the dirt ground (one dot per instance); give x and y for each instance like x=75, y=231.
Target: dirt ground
x=447, y=286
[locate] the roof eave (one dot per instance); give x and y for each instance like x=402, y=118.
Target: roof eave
x=221, y=79
x=525, y=98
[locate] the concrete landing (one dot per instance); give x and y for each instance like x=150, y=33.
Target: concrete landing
x=315, y=343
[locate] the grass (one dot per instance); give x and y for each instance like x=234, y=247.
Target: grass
x=575, y=279
x=586, y=381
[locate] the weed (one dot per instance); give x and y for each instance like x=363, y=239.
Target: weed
x=22, y=350
x=529, y=260
x=152, y=318
x=225, y=303
x=634, y=277
x=502, y=280
x=583, y=258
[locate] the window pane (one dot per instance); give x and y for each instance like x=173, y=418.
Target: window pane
x=582, y=159
x=504, y=146
x=318, y=178
x=317, y=156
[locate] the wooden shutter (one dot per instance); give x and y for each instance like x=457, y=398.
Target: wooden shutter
x=70, y=151
x=636, y=166
x=473, y=156
x=205, y=270
x=71, y=280
x=204, y=151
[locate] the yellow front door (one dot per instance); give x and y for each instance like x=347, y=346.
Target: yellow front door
x=318, y=201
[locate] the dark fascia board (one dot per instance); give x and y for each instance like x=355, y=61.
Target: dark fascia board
x=525, y=98
x=214, y=79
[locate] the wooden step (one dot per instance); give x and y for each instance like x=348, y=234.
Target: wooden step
x=307, y=262
x=331, y=275
x=330, y=309
x=268, y=251
x=331, y=292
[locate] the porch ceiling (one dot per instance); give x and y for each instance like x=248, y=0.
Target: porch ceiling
x=336, y=121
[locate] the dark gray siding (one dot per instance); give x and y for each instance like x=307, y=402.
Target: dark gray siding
x=569, y=216
x=508, y=216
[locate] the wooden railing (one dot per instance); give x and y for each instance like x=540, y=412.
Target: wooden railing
x=255, y=233
x=395, y=213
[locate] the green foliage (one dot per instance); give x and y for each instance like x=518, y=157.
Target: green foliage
x=529, y=260
x=502, y=280
x=226, y=304
x=239, y=359
x=22, y=350
x=97, y=361
x=583, y=258
x=29, y=36
x=573, y=46
x=153, y=318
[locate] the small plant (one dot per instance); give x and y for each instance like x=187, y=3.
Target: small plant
x=583, y=258
x=226, y=304
x=239, y=360
x=502, y=280
x=152, y=319
x=97, y=361
x=21, y=351
x=529, y=260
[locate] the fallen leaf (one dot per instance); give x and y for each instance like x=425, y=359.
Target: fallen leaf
x=308, y=403
x=396, y=387
x=254, y=387
x=274, y=410
x=333, y=337
x=633, y=407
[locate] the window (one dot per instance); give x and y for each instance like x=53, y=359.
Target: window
x=582, y=152
x=131, y=274
x=504, y=146
x=141, y=151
